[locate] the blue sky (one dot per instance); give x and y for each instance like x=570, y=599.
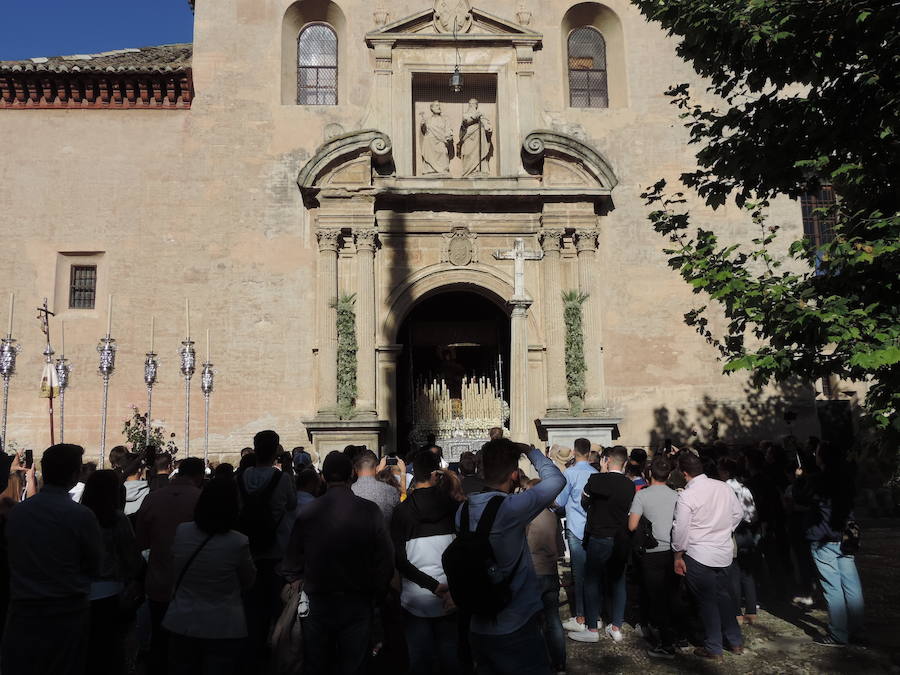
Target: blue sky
x=52, y=27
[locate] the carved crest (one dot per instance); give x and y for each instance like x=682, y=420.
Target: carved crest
x=452, y=16
x=459, y=247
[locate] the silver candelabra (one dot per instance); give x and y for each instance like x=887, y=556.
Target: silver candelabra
x=206, y=385
x=63, y=369
x=188, y=364
x=8, y=352
x=151, y=367
x=107, y=350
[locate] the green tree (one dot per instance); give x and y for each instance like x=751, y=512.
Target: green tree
x=346, y=355
x=575, y=363
x=806, y=92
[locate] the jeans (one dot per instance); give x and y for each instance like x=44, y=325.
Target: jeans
x=336, y=633
x=842, y=589
x=712, y=591
x=202, y=656
x=553, y=630
x=660, y=585
x=578, y=557
x=521, y=652
x=431, y=642
x=604, y=571
x=743, y=585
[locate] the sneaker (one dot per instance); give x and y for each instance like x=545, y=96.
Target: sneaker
x=805, y=600
x=585, y=636
x=573, y=625
x=703, y=654
x=638, y=630
x=661, y=653
x=614, y=633
x=829, y=640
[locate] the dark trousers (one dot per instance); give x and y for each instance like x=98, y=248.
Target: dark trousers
x=743, y=583
x=432, y=644
x=159, y=637
x=554, y=635
x=711, y=589
x=521, y=652
x=262, y=605
x=660, y=584
x=46, y=638
x=201, y=656
x=336, y=633
x=604, y=574
x=106, y=644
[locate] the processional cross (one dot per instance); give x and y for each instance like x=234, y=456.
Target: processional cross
x=519, y=254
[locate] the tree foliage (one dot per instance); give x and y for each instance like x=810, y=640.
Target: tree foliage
x=346, y=354
x=575, y=363
x=805, y=93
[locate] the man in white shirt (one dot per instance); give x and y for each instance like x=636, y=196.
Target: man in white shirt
x=706, y=514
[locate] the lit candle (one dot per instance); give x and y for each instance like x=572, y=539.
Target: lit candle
x=109, y=316
x=152, y=331
x=12, y=301
x=207, y=345
x=187, y=318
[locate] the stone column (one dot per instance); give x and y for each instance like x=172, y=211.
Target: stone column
x=327, y=320
x=365, y=321
x=557, y=400
x=586, y=245
x=518, y=373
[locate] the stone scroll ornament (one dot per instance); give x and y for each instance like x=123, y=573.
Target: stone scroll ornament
x=452, y=16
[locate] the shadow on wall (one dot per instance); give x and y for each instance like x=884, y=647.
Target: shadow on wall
x=772, y=413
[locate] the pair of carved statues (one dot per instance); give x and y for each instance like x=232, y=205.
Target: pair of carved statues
x=474, y=147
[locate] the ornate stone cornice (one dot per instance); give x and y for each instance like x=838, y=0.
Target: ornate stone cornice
x=546, y=143
x=328, y=239
x=551, y=239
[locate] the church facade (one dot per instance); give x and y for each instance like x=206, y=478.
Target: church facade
x=377, y=211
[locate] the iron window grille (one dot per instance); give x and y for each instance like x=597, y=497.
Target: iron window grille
x=83, y=287
x=317, y=61
x=817, y=209
x=587, y=69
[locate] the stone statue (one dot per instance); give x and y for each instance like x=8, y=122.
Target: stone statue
x=475, y=146
x=437, y=141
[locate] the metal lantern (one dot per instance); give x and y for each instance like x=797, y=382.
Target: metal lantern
x=8, y=352
x=188, y=364
x=107, y=351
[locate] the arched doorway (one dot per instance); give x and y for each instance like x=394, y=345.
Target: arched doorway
x=453, y=369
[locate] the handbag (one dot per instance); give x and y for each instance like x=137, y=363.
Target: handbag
x=850, y=538
x=643, y=539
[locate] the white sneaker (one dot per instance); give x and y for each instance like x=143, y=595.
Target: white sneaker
x=615, y=634
x=585, y=636
x=638, y=630
x=573, y=625
x=804, y=600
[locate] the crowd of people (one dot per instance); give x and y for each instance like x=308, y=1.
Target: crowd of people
x=367, y=564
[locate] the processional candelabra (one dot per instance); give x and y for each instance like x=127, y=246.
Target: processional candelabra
x=63, y=369
x=206, y=385
x=188, y=364
x=8, y=352
x=107, y=350
x=151, y=366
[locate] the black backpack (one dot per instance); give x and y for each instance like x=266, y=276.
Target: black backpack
x=642, y=539
x=470, y=565
x=256, y=519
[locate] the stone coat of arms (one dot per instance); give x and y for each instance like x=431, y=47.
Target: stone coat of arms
x=459, y=247
x=452, y=16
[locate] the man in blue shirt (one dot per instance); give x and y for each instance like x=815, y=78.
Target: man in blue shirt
x=570, y=499
x=512, y=643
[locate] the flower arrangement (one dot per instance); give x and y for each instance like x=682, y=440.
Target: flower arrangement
x=135, y=432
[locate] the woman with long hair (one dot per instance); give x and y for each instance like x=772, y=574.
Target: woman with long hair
x=213, y=566
x=830, y=493
x=111, y=611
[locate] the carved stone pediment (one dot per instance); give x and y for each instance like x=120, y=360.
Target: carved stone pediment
x=472, y=25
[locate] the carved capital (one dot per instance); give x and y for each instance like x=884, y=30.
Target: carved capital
x=551, y=239
x=328, y=239
x=585, y=240
x=366, y=238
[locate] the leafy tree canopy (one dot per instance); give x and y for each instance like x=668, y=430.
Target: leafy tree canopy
x=807, y=92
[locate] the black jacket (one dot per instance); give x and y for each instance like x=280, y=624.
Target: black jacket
x=606, y=500
x=426, y=519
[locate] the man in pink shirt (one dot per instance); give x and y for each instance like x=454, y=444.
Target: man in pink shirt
x=706, y=514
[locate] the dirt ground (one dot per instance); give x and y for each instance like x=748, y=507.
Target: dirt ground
x=782, y=639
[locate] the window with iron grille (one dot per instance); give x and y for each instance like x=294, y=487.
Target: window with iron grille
x=587, y=69
x=83, y=287
x=317, y=65
x=818, y=216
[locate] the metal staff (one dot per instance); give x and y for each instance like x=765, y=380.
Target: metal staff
x=43, y=316
x=206, y=385
x=8, y=352
x=62, y=374
x=107, y=350
x=151, y=366
x=188, y=363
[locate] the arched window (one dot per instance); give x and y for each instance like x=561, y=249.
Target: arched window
x=317, y=65
x=587, y=69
